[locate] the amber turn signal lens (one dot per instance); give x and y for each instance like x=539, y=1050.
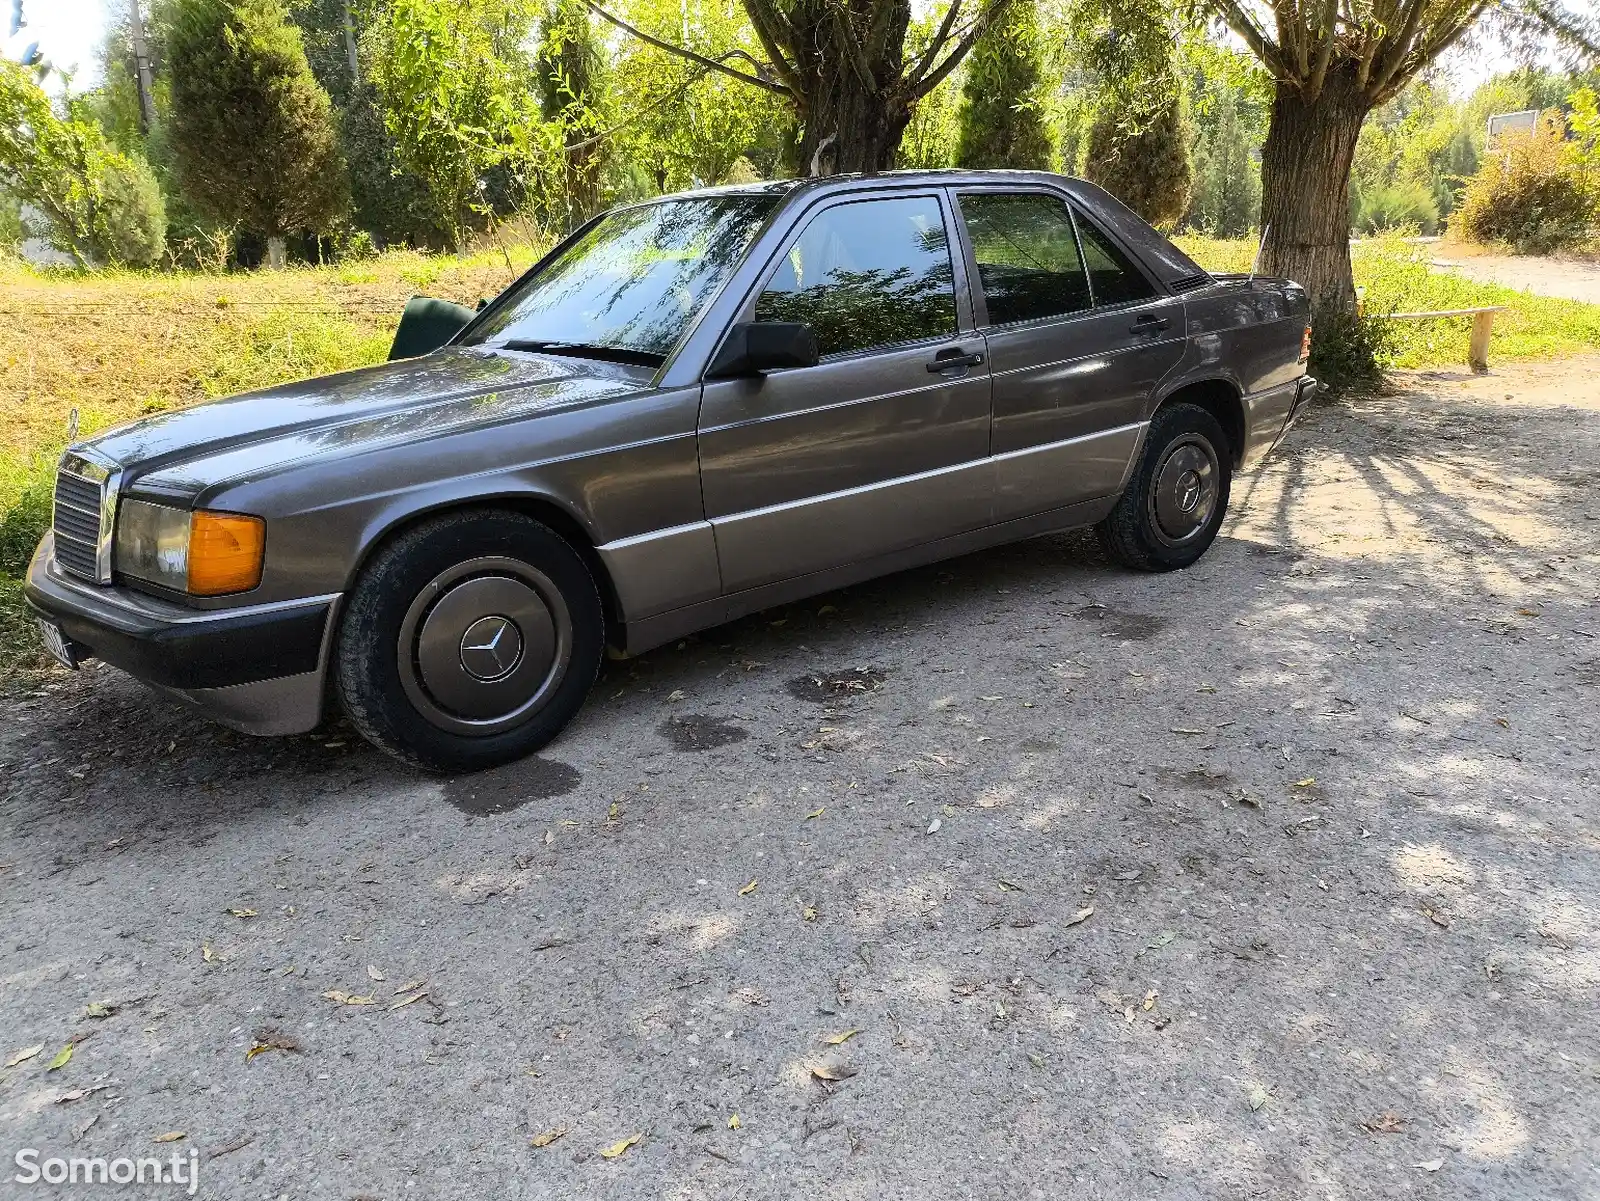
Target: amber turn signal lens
x=225, y=552
x=1305, y=346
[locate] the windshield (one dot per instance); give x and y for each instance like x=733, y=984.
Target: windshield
x=633, y=283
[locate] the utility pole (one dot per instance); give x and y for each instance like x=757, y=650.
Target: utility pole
x=350, y=44
x=141, y=63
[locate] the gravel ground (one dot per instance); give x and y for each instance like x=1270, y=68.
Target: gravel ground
x=1014, y=877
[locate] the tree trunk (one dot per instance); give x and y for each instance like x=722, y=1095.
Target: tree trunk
x=1305, y=187
x=846, y=128
x=277, y=252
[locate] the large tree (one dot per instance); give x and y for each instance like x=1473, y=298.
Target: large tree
x=847, y=68
x=1333, y=62
x=571, y=80
x=252, y=131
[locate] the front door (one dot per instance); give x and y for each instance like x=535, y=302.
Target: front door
x=883, y=444
x=1078, y=339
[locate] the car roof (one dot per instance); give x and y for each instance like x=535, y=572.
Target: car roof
x=1175, y=269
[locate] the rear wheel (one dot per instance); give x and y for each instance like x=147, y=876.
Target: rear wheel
x=469, y=641
x=1172, y=508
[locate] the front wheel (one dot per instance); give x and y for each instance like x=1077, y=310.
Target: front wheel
x=1172, y=508
x=469, y=641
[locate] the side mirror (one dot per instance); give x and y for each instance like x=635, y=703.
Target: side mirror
x=426, y=325
x=756, y=347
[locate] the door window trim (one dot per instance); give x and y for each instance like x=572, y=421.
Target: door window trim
x=965, y=325
x=1077, y=213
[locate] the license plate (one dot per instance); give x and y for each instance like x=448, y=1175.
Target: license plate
x=56, y=643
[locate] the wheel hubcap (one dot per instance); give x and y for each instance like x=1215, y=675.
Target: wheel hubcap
x=484, y=645
x=1183, y=493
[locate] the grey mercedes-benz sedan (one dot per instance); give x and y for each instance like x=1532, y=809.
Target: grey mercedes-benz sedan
x=690, y=409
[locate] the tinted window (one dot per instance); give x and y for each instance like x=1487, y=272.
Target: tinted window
x=1114, y=279
x=635, y=280
x=1027, y=256
x=867, y=274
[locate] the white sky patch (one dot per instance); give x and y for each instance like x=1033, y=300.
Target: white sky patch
x=68, y=33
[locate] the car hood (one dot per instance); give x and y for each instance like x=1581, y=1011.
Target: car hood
x=408, y=399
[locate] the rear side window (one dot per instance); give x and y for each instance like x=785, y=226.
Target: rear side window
x=1115, y=280
x=1027, y=255
x=866, y=274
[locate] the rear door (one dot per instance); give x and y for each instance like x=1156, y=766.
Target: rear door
x=1078, y=338
x=883, y=444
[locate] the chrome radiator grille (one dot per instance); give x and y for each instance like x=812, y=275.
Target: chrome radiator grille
x=85, y=506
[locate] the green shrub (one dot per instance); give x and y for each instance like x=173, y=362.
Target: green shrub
x=1144, y=160
x=1405, y=204
x=1529, y=193
x=1349, y=351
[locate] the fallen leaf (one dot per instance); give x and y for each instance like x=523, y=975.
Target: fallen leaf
x=100, y=1009
x=170, y=1136
x=1036, y=1059
x=208, y=954
x=1387, y=1123
x=748, y=888
x=677, y=694
x=832, y=1071
x=1429, y=1165
x=1186, y=730
x=412, y=986
x=63, y=1057
x=933, y=826
x=269, y=1038
x=344, y=998
x=619, y=1148
x=816, y=813
x=404, y=1001
x=809, y=913
x=549, y=837
x=548, y=1137
x=734, y=1123
x=1082, y=915
x=1257, y=1097
x=374, y=974
x=1306, y=783
x=1150, y=1000
x=79, y=1094
x=242, y=913
x=1502, y=722
x=24, y=1054
x=835, y=1040
x=1437, y=919
x=1008, y=886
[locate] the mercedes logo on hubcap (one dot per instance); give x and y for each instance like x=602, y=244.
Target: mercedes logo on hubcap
x=1188, y=491
x=490, y=647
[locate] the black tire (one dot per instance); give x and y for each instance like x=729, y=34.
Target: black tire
x=1174, y=504
x=416, y=660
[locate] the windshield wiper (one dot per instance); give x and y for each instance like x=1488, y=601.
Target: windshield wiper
x=588, y=350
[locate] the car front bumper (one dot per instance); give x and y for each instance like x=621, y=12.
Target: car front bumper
x=256, y=668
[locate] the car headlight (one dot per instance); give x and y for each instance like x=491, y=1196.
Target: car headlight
x=198, y=552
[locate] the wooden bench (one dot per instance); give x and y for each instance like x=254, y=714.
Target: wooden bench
x=1482, y=328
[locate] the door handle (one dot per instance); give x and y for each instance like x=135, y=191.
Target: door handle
x=1149, y=324
x=953, y=359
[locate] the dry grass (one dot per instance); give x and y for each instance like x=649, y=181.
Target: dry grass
x=118, y=345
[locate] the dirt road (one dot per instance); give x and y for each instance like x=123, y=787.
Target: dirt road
x=1572, y=279
x=1015, y=877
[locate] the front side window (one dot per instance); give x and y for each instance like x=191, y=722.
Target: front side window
x=631, y=285
x=1027, y=255
x=865, y=274
x=1115, y=280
